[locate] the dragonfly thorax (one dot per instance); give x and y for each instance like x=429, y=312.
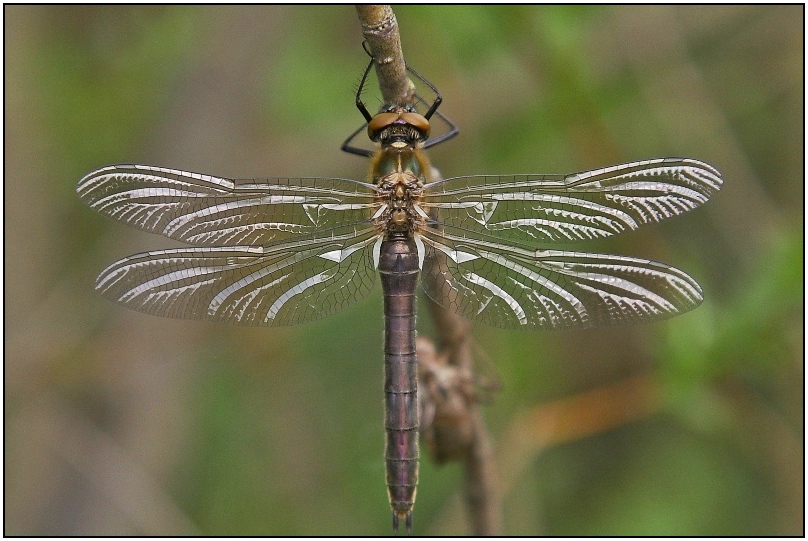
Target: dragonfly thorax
x=399, y=175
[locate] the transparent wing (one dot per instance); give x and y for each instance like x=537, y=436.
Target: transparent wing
x=280, y=284
x=205, y=210
x=566, y=208
x=515, y=288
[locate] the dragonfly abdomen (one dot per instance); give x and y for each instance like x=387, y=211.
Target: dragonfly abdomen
x=398, y=270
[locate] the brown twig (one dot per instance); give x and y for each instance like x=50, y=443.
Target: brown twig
x=380, y=29
x=468, y=437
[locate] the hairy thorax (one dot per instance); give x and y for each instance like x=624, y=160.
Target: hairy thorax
x=400, y=174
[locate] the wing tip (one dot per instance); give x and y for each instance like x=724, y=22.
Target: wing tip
x=707, y=176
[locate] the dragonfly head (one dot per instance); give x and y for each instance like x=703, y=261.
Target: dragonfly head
x=398, y=127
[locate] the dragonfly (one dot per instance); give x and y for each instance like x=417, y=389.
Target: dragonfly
x=284, y=251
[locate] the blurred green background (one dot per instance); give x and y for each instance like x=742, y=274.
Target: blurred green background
x=118, y=423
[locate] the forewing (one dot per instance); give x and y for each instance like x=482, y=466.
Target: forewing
x=515, y=288
x=205, y=210
x=280, y=284
x=564, y=208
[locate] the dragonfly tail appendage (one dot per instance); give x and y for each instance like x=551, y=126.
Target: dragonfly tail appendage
x=407, y=521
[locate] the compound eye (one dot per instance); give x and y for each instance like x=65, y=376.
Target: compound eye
x=419, y=122
x=380, y=122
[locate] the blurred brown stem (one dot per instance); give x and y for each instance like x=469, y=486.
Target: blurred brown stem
x=469, y=431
